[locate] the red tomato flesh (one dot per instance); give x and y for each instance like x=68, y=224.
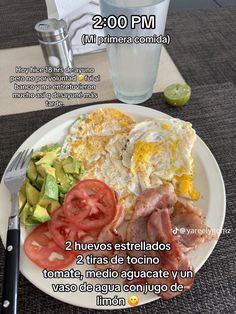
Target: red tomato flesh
x=90, y=205
x=62, y=230
x=40, y=247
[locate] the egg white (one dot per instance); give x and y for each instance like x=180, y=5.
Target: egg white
x=130, y=157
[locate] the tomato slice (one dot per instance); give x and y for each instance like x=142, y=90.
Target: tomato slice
x=62, y=229
x=90, y=205
x=44, y=252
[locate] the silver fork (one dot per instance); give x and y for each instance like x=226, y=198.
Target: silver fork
x=13, y=179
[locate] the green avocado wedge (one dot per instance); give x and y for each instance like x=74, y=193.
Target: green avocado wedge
x=40, y=214
x=32, y=194
x=47, y=181
x=48, y=159
x=72, y=166
x=31, y=172
x=49, y=188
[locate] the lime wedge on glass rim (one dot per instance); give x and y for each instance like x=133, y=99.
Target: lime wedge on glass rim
x=177, y=94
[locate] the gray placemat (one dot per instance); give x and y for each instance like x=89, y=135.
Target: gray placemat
x=203, y=45
x=17, y=21
x=212, y=111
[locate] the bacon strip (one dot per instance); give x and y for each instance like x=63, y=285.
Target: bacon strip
x=157, y=213
x=149, y=201
x=109, y=234
x=188, y=227
x=159, y=230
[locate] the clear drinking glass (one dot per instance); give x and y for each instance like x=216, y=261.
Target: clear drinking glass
x=133, y=67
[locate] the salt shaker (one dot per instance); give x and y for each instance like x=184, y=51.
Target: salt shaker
x=55, y=43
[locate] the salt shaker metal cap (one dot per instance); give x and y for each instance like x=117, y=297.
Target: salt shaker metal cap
x=55, y=43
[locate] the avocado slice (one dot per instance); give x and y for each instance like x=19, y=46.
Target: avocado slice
x=26, y=215
x=32, y=194
x=64, y=188
x=39, y=182
x=23, y=187
x=53, y=205
x=31, y=172
x=70, y=165
x=65, y=180
x=49, y=188
x=21, y=200
x=77, y=177
x=49, y=204
x=40, y=214
x=52, y=148
x=48, y=159
x=38, y=155
x=70, y=179
x=60, y=173
x=44, y=169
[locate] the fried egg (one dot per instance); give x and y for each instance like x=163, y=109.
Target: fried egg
x=159, y=150
x=97, y=141
x=131, y=157
x=90, y=134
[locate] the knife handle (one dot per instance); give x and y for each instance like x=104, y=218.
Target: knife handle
x=11, y=272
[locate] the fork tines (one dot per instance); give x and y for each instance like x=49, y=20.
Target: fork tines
x=21, y=160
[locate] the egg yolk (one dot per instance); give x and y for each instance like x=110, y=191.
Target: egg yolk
x=166, y=126
x=142, y=152
x=185, y=188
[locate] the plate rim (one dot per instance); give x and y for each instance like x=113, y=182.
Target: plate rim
x=68, y=115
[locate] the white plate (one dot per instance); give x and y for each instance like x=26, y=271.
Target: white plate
x=208, y=181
